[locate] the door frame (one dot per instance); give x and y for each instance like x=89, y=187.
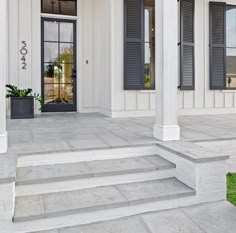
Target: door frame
x=60, y=107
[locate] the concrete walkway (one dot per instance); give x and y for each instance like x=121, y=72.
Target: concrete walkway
x=217, y=217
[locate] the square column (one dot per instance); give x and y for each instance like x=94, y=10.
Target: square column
x=166, y=127
x=3, y=72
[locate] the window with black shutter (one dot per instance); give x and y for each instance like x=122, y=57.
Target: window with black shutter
x=217, y=45
x=187, y=45
x=134, y=46
x=139, y=45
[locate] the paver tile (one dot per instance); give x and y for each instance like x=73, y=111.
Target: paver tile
x=79, y=199
x=121, y=226
x=173, y=221
x=29, y=206
x=52, y=171
x=214, y=218
x=153, y=189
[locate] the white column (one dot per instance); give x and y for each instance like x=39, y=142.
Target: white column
x=3, y=72
x=166, y=127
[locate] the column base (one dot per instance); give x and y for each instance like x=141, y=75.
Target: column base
x=167, y=133
x=3, y=143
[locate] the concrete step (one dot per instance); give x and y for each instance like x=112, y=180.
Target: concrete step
x=84, y=170
x=114, y=197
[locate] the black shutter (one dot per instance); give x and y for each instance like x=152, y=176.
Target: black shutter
x=134, y=45
x=187, y=68
x=217, y=45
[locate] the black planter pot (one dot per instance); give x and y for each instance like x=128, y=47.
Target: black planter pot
x=22, y=107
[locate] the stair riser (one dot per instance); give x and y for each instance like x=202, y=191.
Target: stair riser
x=84, y=156
x=27, y=190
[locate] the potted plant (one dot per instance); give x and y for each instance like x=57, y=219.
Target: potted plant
x=22, y=102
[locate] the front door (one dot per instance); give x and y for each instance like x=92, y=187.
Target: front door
x=58, y=65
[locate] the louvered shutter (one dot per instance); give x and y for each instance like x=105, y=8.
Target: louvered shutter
x=187, y=45
x=217, y=45
x=134, y=45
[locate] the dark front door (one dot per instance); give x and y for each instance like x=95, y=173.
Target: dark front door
x=58, y=65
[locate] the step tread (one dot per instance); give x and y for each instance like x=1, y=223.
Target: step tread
x=59, y=172
x=72, y=202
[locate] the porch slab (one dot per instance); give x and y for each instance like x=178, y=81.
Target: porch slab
x=73, y=131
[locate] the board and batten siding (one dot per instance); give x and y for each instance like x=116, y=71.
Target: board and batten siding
x=24, y=25
x=200, y=101
x=100, y=40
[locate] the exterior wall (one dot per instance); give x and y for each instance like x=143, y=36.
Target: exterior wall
x=93, y=44
x=200, y=101
x=95, y=94
x=126, y=103
x=24, y=25
x=203, y=100
x=100, y=41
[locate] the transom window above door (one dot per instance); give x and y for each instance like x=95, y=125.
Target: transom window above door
x=60, y=7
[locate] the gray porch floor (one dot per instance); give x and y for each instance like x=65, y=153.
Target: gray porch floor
x=71, y=131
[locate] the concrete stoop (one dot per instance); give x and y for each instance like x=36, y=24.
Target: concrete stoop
x=75, y=188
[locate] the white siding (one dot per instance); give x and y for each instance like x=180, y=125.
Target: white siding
x=200, y=101
x=96, y=81
x=100, y=31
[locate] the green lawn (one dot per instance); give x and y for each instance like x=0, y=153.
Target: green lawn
x=231, y=184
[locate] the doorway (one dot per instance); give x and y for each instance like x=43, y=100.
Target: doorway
x=59, y=74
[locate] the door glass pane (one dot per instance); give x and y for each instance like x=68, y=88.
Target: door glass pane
x=58, y=93
x=52, y=73
x=50, y=52
x=51, y=31
x=149, y=47
x=66, y=32
x=62, y=7
x=66, y=53
x=66, y=76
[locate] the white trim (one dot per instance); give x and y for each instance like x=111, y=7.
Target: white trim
x=3, y=143
x=206, y=111
x=135, y=113
x=7, y=201
x=45, y=159
x=58, y=16
x=167, y=133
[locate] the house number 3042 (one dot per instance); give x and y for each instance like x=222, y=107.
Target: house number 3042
x=23, y=52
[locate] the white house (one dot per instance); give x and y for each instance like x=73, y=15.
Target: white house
x=116, y=57
x=120, y=58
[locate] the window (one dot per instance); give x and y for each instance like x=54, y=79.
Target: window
x=217, y=46
x=231, y=47
x=149, y=44
x=222, y=46
x=187, y=75
x=61, y=7
x=139, y=45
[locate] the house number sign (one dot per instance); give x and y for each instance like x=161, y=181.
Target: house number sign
x=23, y=53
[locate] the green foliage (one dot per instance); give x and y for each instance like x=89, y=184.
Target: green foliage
x=13, y=91
x=231, y=186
